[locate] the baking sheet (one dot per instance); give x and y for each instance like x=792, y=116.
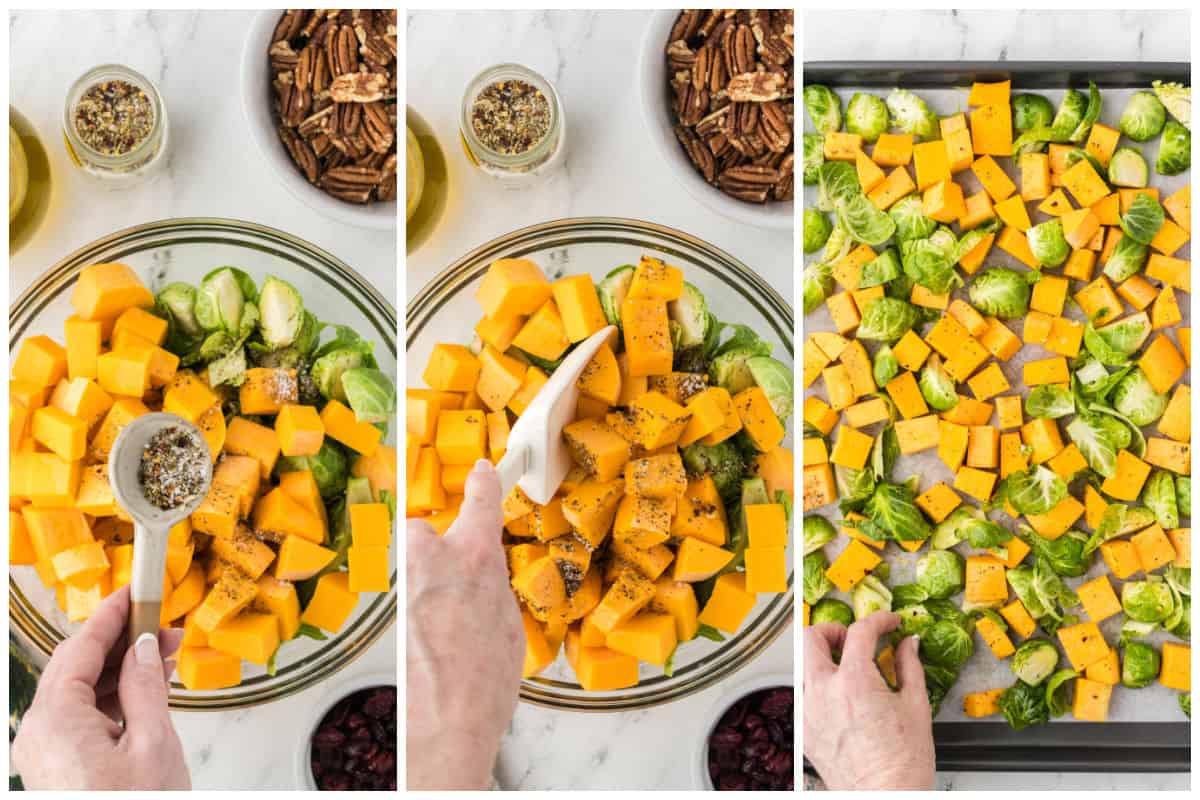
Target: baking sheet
x=1155, y=703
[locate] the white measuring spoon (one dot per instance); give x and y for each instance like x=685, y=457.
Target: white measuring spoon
x=537, y=459
x=151, y=524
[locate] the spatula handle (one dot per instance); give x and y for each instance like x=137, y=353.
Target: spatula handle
x=512, y=468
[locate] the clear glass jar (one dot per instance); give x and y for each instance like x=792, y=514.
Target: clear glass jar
x=539, y=160
x=127, y=168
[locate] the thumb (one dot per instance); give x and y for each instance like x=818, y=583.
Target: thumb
x=142, y=691
x=479, y=518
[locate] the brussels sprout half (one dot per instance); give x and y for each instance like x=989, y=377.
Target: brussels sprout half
x=824, y=108
x=1143, y=117
x=817, y=228
x=867, y=116
x=1174, y=149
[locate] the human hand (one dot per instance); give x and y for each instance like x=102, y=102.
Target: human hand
x=465, y=643
x=71, y=737
x=858, y=733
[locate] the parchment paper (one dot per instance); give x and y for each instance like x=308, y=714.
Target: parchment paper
x=983, y=671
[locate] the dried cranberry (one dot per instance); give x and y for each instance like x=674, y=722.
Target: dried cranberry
x=732, y=781
x=328, y=737
x=780, y=763
x=335, y=782
x=726, y=737
x=775, y=730
x=776, y=704
x=381, y=703
x=383, y=763
x=355, y=721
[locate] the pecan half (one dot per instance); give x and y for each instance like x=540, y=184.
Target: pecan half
x=358, y=87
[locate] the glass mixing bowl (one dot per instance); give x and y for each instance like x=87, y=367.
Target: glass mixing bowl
x=446, y=311
x=184, y=250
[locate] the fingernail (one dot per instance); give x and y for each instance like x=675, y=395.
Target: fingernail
x=483, y=465
x=145, y=649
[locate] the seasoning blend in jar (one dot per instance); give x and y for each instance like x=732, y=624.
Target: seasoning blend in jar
x=115, y=124
x=512, y=125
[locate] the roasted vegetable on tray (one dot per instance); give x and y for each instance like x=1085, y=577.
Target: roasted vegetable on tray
x=1043, y=394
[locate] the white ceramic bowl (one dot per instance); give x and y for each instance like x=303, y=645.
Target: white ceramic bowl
x=654, y=97
x=730, y=695
x=257, y=109
x=334, y=693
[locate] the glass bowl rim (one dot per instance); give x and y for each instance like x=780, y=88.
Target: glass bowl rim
x=54, y=280
x=451, y=280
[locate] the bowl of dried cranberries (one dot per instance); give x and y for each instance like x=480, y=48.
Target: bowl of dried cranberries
x=352, y=746
x=749, y=738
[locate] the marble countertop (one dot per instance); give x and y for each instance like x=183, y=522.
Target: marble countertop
x=610, y=170
x=1007, y=36
x=213, y=170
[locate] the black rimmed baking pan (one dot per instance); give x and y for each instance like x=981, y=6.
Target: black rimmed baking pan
x=1059, y=746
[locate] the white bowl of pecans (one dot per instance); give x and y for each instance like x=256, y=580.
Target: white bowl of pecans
x=319, y=97
x=734, y=157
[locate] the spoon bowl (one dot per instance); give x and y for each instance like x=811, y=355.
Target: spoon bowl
x=151, y=524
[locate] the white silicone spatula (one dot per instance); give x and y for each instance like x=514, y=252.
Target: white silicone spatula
x=151, y=524
x=537, y=459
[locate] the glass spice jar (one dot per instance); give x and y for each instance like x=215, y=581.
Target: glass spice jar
x=512, y=124
x=115, y=124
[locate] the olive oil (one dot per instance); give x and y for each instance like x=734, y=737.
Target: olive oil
x=28, y=181
x=427, y=181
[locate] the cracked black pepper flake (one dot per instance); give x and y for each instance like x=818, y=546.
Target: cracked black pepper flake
x=173, y=468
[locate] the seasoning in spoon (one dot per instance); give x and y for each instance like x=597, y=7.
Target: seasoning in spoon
x=510, y=117
x=113, y=117
x=173, y=468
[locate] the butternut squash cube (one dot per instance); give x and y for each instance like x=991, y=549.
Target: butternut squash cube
x=1179, y=206
x=40, y=361
x=993, y=178
x=1176, y=672
x=1091, y=700
x=647, y=335
x=299, y=430
x=279, y=599
x=983, y=447
x=579, y=307
x=342, y=425
x=729, y=603
x=995, y=637
x=331, y=603
x=898, y=184
x=852, y=565
x=1107, y=670
x=543, y=334
x=81, y=565
x=233, y=591
x=842, y=146
x=1013, y=213
x=982, y=704
x=83, y=339
x=60, y=433
x=597, y=448
x=248, y=438
x=943, y=200
x=991, y=129
x=932, y=163
x=1120, y=557
x=1080, y=265
x=985, y=582
x=918, y=434
x=1016, y=245
x=1084, y=184
x=499, y=333
x=628, y=595
x=1035, y=176
x=1083, y=643
x=647, y=637
x=125, y=372
x=204, y=668
x=1018, y=619
x=977, y=210
x=1153, y=548
x=975, y=482
x=938, y=501
x=250, y=636
x=368, y=568
x=1126, y=483
x=600, y=669
x=893, y=149
x=766, y=569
